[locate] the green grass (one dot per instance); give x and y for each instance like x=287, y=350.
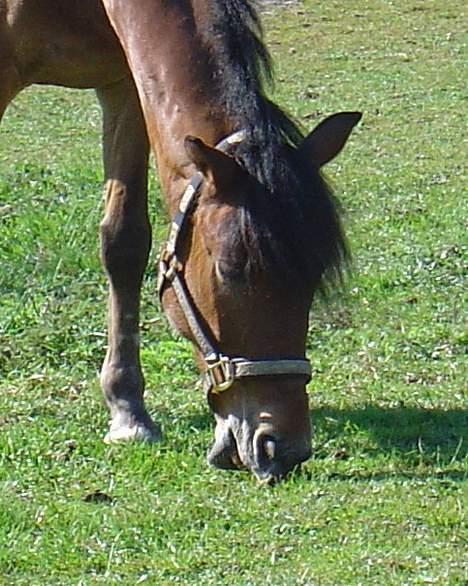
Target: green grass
x=383, y=501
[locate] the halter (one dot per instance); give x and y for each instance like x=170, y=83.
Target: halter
x=221, y=370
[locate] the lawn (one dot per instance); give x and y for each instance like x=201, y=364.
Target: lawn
x=383, y=500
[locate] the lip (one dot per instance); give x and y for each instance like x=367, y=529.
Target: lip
x=224, y=453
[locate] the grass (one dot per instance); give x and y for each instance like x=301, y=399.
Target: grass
x=383, y=501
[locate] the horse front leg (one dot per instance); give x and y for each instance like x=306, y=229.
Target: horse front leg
x=10, y=80
x=125, y=245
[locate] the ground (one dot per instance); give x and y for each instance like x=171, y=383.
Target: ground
x=383, y=500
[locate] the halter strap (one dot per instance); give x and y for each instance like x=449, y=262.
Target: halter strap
x=221, y=370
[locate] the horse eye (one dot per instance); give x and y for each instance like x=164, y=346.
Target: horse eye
x=229, y=271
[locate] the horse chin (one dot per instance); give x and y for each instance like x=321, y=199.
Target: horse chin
x=224, y=453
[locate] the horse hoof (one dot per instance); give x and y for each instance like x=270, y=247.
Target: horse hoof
x=139, y=433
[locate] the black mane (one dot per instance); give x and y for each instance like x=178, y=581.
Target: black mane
x=292, y=226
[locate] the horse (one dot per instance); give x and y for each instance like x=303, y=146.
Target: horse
x=255, y=229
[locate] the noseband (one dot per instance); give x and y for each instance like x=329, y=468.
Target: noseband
x=221, y=370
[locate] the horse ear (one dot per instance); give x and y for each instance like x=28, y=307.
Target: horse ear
x=216, y=166
x=329, y=137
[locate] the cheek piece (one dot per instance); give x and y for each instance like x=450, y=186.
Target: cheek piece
x=220, y=370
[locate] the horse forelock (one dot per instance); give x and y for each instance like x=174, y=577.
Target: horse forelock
x=290, y=227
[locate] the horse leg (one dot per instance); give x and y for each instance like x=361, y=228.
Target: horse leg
x=10, y=82
x=125, y=243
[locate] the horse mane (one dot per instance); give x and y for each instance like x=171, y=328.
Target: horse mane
x=292, y=225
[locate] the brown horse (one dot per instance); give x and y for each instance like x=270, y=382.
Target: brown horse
x=255, y=233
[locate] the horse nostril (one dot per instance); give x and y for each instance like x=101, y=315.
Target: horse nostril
x=265, y=448
x=269, y=447
x=275, y=457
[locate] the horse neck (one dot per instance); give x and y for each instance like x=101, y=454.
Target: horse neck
x=172, y=74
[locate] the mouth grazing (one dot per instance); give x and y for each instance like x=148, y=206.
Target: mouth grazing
x=225, y=455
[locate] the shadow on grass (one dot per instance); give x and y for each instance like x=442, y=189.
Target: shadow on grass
x=404, y=429
x=421, y=443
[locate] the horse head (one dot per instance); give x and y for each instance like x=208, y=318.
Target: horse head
x=239, y=294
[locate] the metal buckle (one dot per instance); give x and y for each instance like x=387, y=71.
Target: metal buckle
x=220, y=372
x=168, y=264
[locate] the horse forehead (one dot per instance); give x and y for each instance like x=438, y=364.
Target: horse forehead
x=218, y=221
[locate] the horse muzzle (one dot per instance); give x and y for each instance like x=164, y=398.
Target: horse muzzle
x=268, y=456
